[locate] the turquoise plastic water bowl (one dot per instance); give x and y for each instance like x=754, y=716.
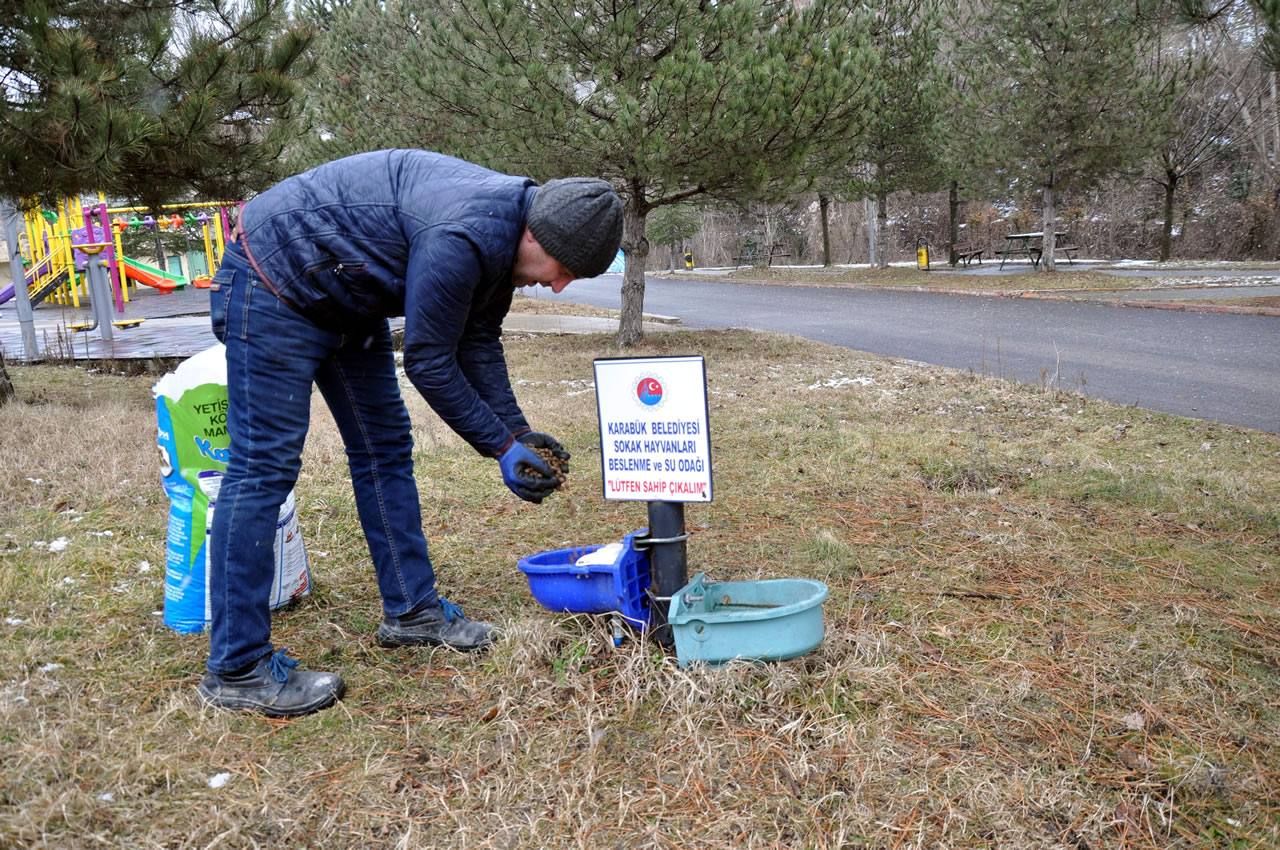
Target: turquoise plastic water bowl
x=768, y=620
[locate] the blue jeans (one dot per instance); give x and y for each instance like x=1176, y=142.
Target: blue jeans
x=273, y=356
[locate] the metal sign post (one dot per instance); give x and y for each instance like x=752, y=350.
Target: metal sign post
x=99, y=289
x=11, y=220
x=655, y=446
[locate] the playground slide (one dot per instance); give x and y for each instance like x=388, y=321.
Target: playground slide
x=7, y=292
x=50, y=285
x=152, y=276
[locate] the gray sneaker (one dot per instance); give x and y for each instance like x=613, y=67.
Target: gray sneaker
x=441, y=624
x=272, y=687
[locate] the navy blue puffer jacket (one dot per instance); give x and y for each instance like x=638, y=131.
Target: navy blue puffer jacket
x=406, y=233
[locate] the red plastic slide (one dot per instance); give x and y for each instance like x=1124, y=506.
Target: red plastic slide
x=150, y=275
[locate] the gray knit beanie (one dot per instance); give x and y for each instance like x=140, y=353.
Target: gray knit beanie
x=578, y=221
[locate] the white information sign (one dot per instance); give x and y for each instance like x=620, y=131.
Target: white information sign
x=655, y=443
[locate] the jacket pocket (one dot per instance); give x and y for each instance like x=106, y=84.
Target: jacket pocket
x=335, y=267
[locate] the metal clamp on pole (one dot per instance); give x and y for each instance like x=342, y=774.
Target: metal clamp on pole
x=688, y=597
x=644, y=542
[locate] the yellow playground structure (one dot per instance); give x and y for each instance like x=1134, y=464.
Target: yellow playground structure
x=56, y=245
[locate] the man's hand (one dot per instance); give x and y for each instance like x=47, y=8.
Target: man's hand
x=526, y=474
x=539, y=440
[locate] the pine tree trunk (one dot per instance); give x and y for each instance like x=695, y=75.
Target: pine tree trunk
x=1275, y=119
x=871, y=221
x=636, y=248
x=824, y=204
x=882, y=228
x=1049, y=226
x=871, y=231
x=953, y=220
x=1166, y=233
x=6, y=385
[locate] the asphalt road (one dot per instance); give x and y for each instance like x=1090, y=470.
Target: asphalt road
x=1219, y=367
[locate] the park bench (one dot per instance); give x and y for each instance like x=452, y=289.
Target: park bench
x=751, y=254
x=966, y=251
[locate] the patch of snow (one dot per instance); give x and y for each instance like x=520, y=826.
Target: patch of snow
x=860, y=380
x=50, y=667
x=219, y=779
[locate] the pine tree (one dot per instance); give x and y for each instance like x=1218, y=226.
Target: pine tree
x=899, y=146
x=673, y=225
x=1202, y=109
x=145, y=100
x=668, y=99
x=904, y=141
x=1065, y=92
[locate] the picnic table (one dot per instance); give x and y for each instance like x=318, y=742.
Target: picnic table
x=752, y=253
x=1032, y=244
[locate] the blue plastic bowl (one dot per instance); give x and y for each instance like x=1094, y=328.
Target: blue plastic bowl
x=559, y=584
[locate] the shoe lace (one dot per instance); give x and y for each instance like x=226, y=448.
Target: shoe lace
x=451, y=612
x=280, y=665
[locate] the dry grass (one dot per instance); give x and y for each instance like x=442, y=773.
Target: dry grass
x=942, y=277
x=1269, y=301
x=1053, y=623
x=544, y=306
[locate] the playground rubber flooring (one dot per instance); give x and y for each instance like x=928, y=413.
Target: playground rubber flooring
x=174, y=325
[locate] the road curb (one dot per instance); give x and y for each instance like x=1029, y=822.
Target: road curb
x=1056, y=295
